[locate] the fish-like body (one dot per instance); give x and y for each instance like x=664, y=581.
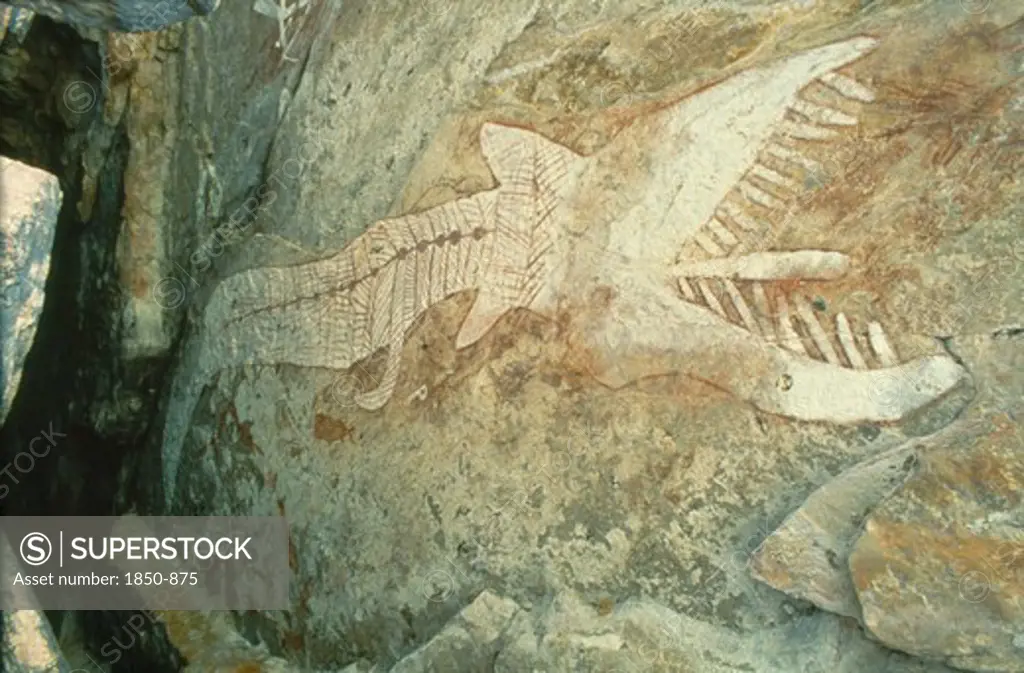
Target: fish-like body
x=645, y=244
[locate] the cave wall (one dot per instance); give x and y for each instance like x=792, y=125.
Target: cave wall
x=156, y=139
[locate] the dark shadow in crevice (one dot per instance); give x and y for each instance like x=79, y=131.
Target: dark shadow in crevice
x=74, y=369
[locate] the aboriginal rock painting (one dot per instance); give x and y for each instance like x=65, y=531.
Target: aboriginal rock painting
x=653, y=245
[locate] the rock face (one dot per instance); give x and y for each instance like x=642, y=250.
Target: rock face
x=29, y=645
x=494, y=634
x=27, y=641
x=208, y=642
x=472, y=641
x=135, y=16
x=807, y=556
x=14, y=24
x=922, y=544
x=939, y=570
x=31, y=201
x=561, y=308
x=157, y=139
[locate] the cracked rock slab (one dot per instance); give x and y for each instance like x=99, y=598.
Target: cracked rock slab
x=642, y=635
x=31, y=200
x=939, y=570
x=468, y=642
x=27, y=642
x=808, y=556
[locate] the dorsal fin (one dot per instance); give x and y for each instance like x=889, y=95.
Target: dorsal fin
x=709, y=145
x=487, y=309
x=532, y=172
x=505, y=147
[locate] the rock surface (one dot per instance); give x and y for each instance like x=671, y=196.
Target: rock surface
x=208, y=642
x=509, y=466
x=471, y=641
x=27, y=641
x=808, y=556
x=572, y=635
x=157, y=139
x=28, y=644
x=119, y=15
x=939, y=570
x=14, y=24
x=30, y=200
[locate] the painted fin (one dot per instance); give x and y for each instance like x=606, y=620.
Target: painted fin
x=702, y=148
x=532, y=172
x=487, y=310
x=800, y=264
x=371, y=400
x=505, y=148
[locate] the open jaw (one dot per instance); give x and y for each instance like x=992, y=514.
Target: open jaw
x=654, y=333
